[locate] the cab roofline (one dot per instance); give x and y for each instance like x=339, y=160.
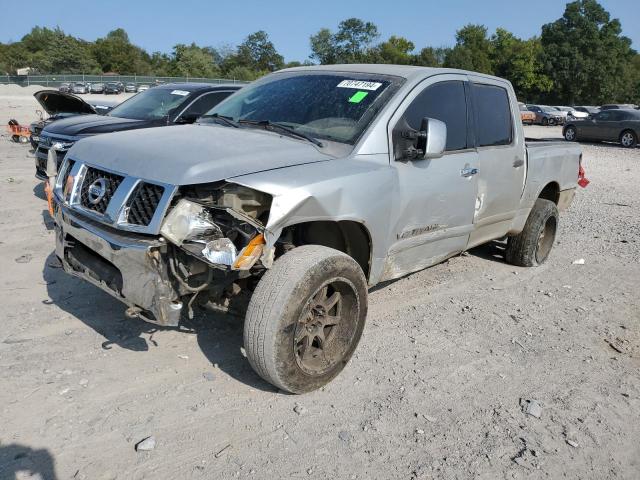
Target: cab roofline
x=405, y=71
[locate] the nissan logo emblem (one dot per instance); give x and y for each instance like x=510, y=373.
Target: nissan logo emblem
x=97, y=190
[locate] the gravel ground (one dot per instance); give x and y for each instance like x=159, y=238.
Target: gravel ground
x=435, y=389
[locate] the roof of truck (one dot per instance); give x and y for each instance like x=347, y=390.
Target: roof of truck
x=405, y=71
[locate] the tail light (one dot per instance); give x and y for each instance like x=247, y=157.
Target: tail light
x=582, y=180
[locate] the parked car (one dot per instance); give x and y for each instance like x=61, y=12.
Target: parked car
x=303, y=190
x=111, y=88
x=589, y=110
x=64, y=88
x=546, y=115
x=142, y=88
x=59, y=105
x=130, y=88
x=97, y=88
x=618, y=106
x=615, y=125
x=526, y=116
x=572, y=112
x=171, y=104
x=78, y=87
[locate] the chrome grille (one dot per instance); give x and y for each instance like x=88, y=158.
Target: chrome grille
x=112, y=182
x=143, y=203
x=129, y=203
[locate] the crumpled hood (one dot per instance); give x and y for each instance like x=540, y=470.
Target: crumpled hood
x=94, y=124
x=192, y=154
x=54, y=102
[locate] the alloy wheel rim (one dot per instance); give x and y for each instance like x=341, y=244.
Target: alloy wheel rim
x=546, y=239
x=570, y=134
x=325, y=328
x=627, y=139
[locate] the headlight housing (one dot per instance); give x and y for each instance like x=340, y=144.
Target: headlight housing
x=189, y=221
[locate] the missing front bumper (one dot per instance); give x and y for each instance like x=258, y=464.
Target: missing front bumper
x=127, y=267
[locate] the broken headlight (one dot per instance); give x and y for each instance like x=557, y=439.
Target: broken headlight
x=189, y=221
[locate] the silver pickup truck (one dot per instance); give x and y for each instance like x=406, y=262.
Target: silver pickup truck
x=299, y=193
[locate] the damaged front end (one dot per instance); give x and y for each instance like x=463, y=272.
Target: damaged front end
x=217, y=245
x=208, y=248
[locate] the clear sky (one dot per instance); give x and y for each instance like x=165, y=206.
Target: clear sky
x=158, y=25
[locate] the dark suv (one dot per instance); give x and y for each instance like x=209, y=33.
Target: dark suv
x=169, y=104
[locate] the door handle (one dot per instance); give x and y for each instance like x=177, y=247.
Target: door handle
x=468, y=172
x=518, y=163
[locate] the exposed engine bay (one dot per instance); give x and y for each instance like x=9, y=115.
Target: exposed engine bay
x=216, y=248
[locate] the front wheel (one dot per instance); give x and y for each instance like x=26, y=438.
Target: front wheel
x=305, y=318
x=545, y=122
x=570, y=134
x=531, y=247
x=628, y=139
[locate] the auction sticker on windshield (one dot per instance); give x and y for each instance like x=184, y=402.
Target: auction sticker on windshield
x=182, y=93
x=359, y=84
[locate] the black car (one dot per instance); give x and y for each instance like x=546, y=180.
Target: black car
x=111, y=87
x=618, y=106
x=587, y=109
x=615, y=125
x=59, y=105
x=169, y=104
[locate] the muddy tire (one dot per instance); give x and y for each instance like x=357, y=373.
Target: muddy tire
x=532, y=246
x=305, y=318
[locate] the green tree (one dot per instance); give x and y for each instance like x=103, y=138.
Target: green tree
x=472, y=50
x=194, y=61
x=256, y=53
x=115, y=53
x=350, y=44
x=431, y=57
x=586, y=56
x=518, y=61
x=396, y=50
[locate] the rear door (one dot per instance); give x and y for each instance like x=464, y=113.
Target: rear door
x=433, y=211
x=598, y=126
x=501, y=159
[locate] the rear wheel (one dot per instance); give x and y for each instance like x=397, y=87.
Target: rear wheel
x=628, y=139
x=305, y=318
x=570, y=134
x=532, y=246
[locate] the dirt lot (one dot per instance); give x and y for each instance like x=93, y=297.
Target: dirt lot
x=434, y=390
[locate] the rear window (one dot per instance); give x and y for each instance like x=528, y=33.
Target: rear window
x=493, y=115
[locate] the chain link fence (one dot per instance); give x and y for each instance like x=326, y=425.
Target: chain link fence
x=56, y=80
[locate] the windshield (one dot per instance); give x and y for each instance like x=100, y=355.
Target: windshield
x=152, y=104
x=548, y=109
x=332, y=106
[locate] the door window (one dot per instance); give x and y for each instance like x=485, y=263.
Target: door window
x=444, y=101
x=205, y=103
x=493, y=115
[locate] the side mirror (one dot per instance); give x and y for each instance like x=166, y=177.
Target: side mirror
x=187, y=118
x=428, y=142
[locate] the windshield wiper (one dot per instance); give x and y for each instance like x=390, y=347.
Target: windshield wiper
x=268, y=125
x=226, y=120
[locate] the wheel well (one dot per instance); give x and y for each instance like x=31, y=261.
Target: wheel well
x=349, y=237
x=551, y=192
x=627, y=130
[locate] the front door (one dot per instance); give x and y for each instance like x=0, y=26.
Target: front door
x=432, y=213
